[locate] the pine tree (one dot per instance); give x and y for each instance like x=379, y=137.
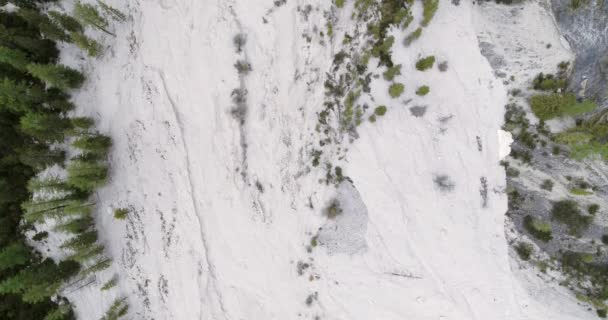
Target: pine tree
x=112, y=12
x=13, y=255
x=47, y=185
x=86, y=175
x=99, y=265
x=48, y=127
x=39, y=281
x=96, y=144
x=119, y=308
x=39, y=156
x=58, y=76
x=19, y=96
x=67, y=22
x=88, y=15
x=81, y=241
x=62, y=312
x=57, y=100
x=85, y=43
x=39, y=210
x=16, y=58
x=85, y=254
x=46, y=26
x=75, y=226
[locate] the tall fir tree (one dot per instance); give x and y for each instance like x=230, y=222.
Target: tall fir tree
x=45, y=126
x=58, y=76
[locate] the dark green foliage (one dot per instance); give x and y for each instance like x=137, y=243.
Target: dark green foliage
x=39, y=156
x=524, y=250
x=47, y=27
x=605, y=239
x=118, y=309
x=602, y=313
x=568, y=213
x=68, y=23
x=547, y=185
x=593, y=208
x=13, y=255
x=425, y=63
x=57, y=76
x=40, y=281
x=14, y=58
x=31, y=118
x=19, y=97
x=46, y=127
x=85, y=43
x=96, y=144
x=538, y=229
x=391, y=72
x=86, y=175
x=88, y=14
x=549, y=82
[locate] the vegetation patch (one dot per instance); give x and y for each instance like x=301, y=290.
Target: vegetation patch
x=423, y=90
x=524, y=250
x=391, y=72
x=537, y=228
x=429, y=7
x=568, y=213
x=549, y=106
x=425, y=63
x=380, y=110
x=333, y=209
x=396, y=89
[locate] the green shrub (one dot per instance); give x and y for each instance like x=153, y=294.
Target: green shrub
x=391, y=72
x=524, y=250
x=538, y=229
x=547, y=185
x=333, y=210
x=580, y=192
x=593, y=208
x=423, y=90
x=568, y=213
x=602, y=313
x=380, y=110
x=605, y=239
x=425, y=63
x=340, y=3
x=396, y=89
x=549, y=106
x=121, y=213
x=414, y=35
x=429, y=7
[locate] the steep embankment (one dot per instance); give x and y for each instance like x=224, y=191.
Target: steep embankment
x=226, y=209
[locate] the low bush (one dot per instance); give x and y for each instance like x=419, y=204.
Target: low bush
x=121, y=213
x=593, y=208
x=524, y=250
x=425, y=63
x=380, y=110
x=568, y=213
x=333, y=209
x=538, y=229
x=549, y=106
x=547, y=185
x=396, y=89
x=423, y=90
x=391, y=72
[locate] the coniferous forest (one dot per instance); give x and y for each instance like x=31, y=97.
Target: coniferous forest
x=35, y=135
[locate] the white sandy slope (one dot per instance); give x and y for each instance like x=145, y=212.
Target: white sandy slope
x=202, y=242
